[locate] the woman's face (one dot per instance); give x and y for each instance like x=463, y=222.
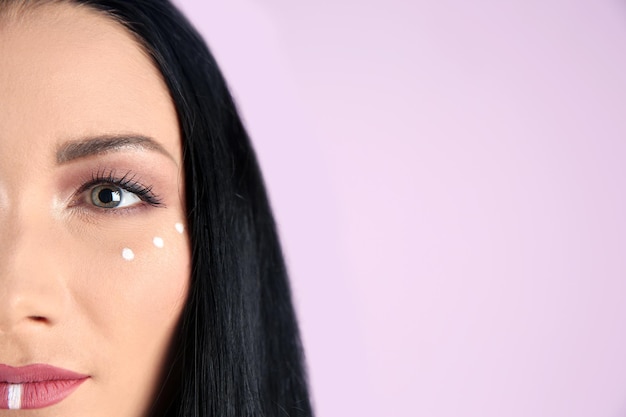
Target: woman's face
x=94, y=256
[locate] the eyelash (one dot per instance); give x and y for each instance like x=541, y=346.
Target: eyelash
x=126, y=182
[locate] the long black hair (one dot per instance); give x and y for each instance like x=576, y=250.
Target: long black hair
x=237, y=351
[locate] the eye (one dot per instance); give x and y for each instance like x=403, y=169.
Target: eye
x=112, y=196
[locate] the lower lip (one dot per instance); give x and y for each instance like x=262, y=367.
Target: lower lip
x=39, y=394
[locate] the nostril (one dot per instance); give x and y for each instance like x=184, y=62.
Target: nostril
x=39, y=318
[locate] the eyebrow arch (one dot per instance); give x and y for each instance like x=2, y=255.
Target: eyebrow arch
x=97, y=145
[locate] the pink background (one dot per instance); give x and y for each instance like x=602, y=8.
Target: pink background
x=448, y=178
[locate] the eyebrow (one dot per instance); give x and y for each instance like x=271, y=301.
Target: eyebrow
x=97, y=145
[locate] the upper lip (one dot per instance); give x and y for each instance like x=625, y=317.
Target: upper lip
x=36, y=373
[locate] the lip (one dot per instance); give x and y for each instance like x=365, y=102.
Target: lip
x=36, y=386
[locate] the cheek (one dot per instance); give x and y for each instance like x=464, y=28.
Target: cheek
x=136, y=285
x=128, y=307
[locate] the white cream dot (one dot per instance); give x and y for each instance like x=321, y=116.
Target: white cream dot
x=128, y=254
x=179, y=227
x=158, y=242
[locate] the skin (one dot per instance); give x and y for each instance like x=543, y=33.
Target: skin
x=69, y=298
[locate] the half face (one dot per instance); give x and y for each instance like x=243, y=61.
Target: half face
x=94, y=254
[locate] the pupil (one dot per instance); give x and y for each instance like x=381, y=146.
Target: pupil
x=106, y=195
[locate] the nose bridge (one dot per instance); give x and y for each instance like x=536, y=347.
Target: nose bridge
x=32, y=284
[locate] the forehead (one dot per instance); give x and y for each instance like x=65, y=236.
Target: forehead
x=68, y=71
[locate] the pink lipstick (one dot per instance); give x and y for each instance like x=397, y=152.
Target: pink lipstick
x=36, y=386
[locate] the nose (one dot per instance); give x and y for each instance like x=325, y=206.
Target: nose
x=32, y=288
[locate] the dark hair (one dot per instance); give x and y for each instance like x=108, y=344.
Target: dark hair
x=237, y=351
